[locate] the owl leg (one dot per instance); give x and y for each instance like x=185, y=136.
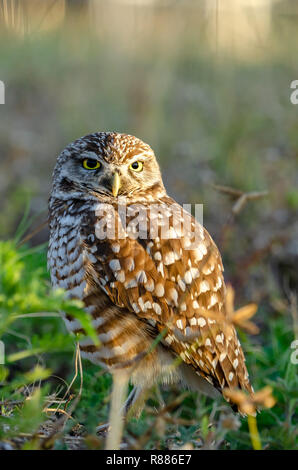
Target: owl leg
x=117, y=408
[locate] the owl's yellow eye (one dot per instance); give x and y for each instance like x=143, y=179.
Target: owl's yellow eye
x=136, y=166
x=90, y=164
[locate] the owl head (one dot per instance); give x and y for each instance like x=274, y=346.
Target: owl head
x=107, y=165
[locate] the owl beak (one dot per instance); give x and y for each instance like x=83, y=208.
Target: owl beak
x=116, y=184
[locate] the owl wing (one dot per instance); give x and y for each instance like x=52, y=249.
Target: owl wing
x=174, y=279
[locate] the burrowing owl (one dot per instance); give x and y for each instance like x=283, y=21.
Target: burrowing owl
x=149, y=274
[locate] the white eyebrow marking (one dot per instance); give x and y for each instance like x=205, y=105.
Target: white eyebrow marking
x=90, y=154
x=136, y=158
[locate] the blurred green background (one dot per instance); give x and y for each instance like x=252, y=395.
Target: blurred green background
x=206, y=84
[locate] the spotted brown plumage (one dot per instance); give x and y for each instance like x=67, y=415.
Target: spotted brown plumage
x=143, y=267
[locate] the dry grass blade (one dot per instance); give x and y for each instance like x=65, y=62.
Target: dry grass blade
x=33, y=233
x=264, y=397
x=60, y=423
x=240, y=317
x=56, y=410
x=235, y=193
x=241, y=197
x=249, y=404
x=244, y=313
